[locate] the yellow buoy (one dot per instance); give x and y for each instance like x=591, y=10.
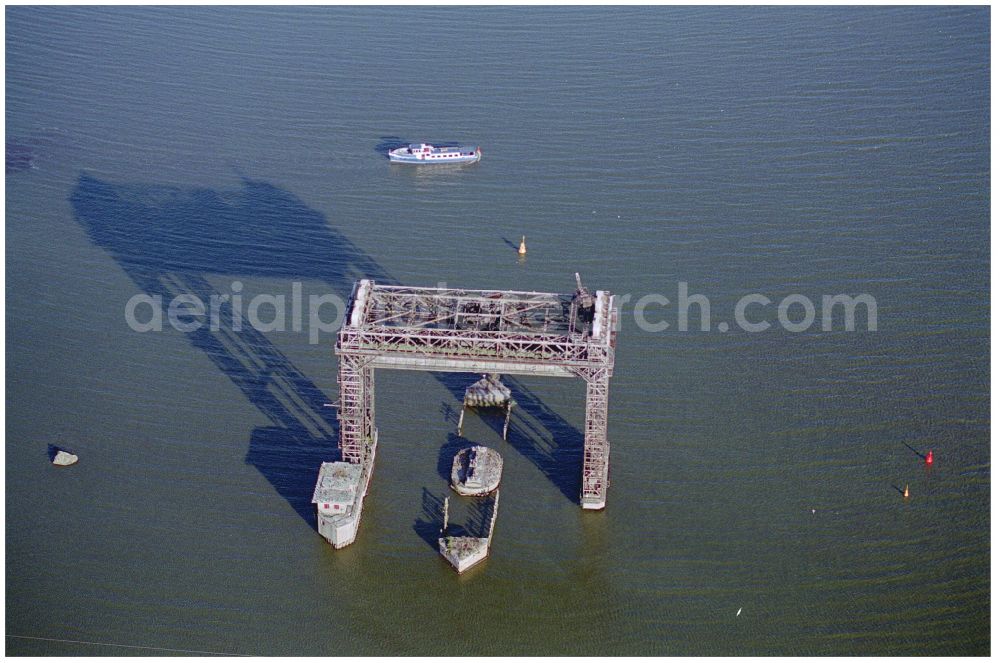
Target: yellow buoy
x=521, y=250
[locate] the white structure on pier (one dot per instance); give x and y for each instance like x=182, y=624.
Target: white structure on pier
x=339, y=497
x=477, y=331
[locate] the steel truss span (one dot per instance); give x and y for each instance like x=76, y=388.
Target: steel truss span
x=478, y=331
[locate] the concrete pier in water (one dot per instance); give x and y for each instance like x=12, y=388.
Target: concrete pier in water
x=464, y=552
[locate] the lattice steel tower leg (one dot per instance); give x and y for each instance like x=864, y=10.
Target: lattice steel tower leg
x=357, y=408
x=371, y=434
x=596, y=448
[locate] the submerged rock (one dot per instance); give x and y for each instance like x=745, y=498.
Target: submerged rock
x=64, y=458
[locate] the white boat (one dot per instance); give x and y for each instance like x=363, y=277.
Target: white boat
x=424, y=154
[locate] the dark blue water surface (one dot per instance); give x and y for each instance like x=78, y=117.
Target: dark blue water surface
x=221, y=151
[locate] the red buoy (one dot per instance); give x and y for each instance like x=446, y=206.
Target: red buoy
x=929, y=458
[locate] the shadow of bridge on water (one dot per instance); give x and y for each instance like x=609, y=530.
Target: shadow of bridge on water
x=170, y=241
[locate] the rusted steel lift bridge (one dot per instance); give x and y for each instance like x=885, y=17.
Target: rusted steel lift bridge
x=476, y=331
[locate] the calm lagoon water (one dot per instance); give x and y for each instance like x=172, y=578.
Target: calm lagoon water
x=738, y=150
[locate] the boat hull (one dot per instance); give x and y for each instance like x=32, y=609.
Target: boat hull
x=422, y=154
x=415, y=160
